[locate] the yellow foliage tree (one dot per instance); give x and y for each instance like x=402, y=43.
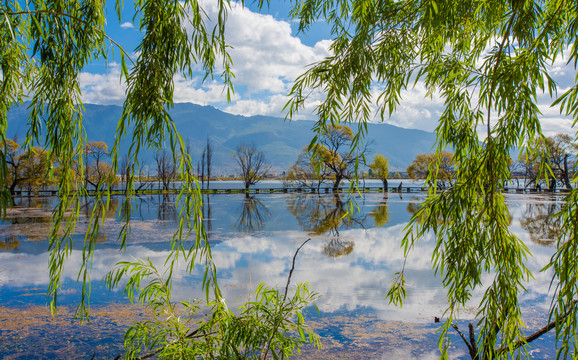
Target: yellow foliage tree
x=380, y=169
x=438, y=166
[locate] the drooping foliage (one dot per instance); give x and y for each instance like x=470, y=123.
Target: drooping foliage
x=488, y=61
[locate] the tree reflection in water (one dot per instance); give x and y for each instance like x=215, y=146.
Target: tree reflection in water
x=8, y=242
x=380, y=214
x=207, y=214
x=324, y=215
x=539, y=221
x=93, y=205
x=31, y=219
x=167, y=211
x=253, y=214
x=337, y=247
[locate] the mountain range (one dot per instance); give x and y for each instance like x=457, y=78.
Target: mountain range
x=280, y=140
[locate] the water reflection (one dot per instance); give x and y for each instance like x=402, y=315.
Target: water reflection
x=30, y=219
x=322, y=214
x=167, y=210
x=540, y=223
x=325, y=215
x=253, y=214
x=8, y=242
x=350, y=260
x=380, y=214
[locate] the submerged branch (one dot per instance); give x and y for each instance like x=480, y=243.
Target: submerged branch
x=471, y=344
x=266, y=352
x=293, y=268
x=540, y=332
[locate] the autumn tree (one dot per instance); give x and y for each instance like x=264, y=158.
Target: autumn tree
x=98, y=173
x=251, y=164
x=562, y=150
x=35, y=168
x=26, y=167
x=12, y=155
x=557, y=153
x=308, y=171
x=380, y=169
x=336, y=153
x=442, y=166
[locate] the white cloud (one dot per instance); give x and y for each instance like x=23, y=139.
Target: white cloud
x=127, y=25
x=103, y=89
x=188, y=90
x=265, y=54
x=267, y=57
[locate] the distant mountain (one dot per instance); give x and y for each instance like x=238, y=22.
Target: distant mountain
x=280, y=140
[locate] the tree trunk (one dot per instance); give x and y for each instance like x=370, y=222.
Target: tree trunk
x=384, y=185
x=337, y=182
x=13, y=188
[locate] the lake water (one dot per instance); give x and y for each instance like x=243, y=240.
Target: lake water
x=350, y=262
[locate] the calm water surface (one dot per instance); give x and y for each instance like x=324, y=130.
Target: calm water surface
x=349, y=262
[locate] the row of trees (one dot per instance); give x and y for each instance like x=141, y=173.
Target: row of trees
x=552, y=164
x=330, y=160
x=32, y=168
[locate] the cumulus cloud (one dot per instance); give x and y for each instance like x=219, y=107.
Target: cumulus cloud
x=127, y=25
x=266, y=55
x=103, y=89
x=188, y=90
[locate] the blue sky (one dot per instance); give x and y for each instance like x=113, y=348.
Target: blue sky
x=268, y=54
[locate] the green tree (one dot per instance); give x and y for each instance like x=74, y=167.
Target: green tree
x=380, y=169
x=425, y=165
x=488, y=61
